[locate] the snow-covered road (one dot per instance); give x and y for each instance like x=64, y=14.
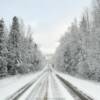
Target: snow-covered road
x=46, y=85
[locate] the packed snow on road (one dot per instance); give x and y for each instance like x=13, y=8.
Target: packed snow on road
x=46, y=86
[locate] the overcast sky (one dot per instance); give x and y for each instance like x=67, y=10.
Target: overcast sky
x=48, y=18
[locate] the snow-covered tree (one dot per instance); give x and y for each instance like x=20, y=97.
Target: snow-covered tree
x=96, y=13
x=3, y=49
x=13, y=46
x=79, y=49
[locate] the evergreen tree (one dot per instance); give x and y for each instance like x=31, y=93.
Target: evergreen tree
x=3, y=49
x=96, y=14
x=13, y=46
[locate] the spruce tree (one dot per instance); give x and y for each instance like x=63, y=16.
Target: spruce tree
x=13, y=46
x=3, y=50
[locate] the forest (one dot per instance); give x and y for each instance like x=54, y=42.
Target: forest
x=79, y=51
x=19, y=54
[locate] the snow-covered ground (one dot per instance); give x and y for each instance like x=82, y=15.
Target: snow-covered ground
x=32, y=92
x=56, y=90
x=46, y=84
x=91, y=89
x=59, y=91
x=8, y=86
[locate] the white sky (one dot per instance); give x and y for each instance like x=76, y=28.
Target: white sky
x=48, y=18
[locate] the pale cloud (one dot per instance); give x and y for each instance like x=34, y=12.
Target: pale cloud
x=48, y=39
x=48, y=18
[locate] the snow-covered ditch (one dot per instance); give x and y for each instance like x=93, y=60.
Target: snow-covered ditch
x=92, y=89
x=8, y=86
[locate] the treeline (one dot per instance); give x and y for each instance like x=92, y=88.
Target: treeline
x=18, y=52
x=79, y=51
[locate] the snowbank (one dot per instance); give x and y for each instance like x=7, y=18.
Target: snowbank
x=92, y=89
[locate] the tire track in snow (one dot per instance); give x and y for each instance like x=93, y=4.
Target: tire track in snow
x=55, y=90
x=77, y=94
x=44, y=90
x=37, y=90
x=22, y=90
